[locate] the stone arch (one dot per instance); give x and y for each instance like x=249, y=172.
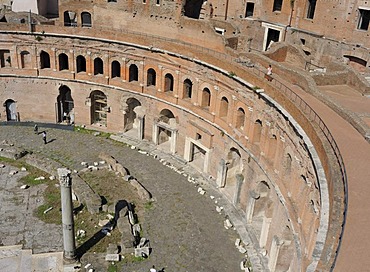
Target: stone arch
x=167, y=116
x=187, y=88
x=168, y=82
x=80, y=64
x=26, y=61
x=151, y=79
x=99, y=108
x=11, y=110
x=44, y=60
x=98, y=66
x=86, y=19
x=65, y=105
x=115, y=69
x=206, y=98
x=240, y=118
x=63, y=62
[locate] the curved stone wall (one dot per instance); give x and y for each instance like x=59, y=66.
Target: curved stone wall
x=248, y=147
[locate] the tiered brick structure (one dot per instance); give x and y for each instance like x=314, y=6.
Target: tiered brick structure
x=179, y=74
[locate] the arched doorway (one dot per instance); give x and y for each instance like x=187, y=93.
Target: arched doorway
x=165, y=131
x=133, y=119
x=99, y=108
x=234, y=167
x=11, y=110
x=64, y=105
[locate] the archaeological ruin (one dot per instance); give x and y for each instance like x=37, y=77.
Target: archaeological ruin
x=188, y=76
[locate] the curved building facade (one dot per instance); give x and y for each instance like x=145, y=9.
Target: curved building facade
x=186, y=89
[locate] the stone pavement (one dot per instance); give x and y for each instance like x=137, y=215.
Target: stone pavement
x=184, y=229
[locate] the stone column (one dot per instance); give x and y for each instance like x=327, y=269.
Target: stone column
x=238, y=186
x=140, y=128
x=221, y=174
x=67, y=213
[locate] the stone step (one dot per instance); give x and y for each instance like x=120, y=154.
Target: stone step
x=26, y=260
x=10, y=257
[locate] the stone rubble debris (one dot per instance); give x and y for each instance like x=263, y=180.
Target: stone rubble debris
x=23, y=169
x=52, y=177
x=2, y=165
x=12, y=173
x=227, y=224
x=40, y=178
x=219, y=209
x=24, y=186
x=81, y=233
x=48, y=210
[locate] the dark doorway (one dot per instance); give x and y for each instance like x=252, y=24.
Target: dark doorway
x=11, y=110
x=192, y=8
x=272, y=36
x=64, y=104
x=249, y=9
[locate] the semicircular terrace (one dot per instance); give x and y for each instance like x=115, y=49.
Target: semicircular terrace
x=279, y=168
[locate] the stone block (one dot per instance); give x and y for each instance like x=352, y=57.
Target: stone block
x=142, y=192
x=112, y=249
x=112, y=257
x=122, y=170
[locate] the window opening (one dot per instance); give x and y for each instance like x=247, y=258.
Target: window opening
x=249, y=9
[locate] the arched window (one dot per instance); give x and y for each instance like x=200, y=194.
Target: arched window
x=257, y=131
x=98, y=66
x=151, y=77
x=63, y=62
x=133, y=73
x=86, y=19
x=81, y=64
x=240, y=118
x=26, y=61
x=287, y=163
x=116, y=69
x=70, y=18
x=44, y=60
x=272, y=147
x=188, y=88
x=168, y=83
x=206, y=98
x=165, y=116
x=224, y=107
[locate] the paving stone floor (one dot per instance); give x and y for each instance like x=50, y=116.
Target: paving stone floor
x=184, y=229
